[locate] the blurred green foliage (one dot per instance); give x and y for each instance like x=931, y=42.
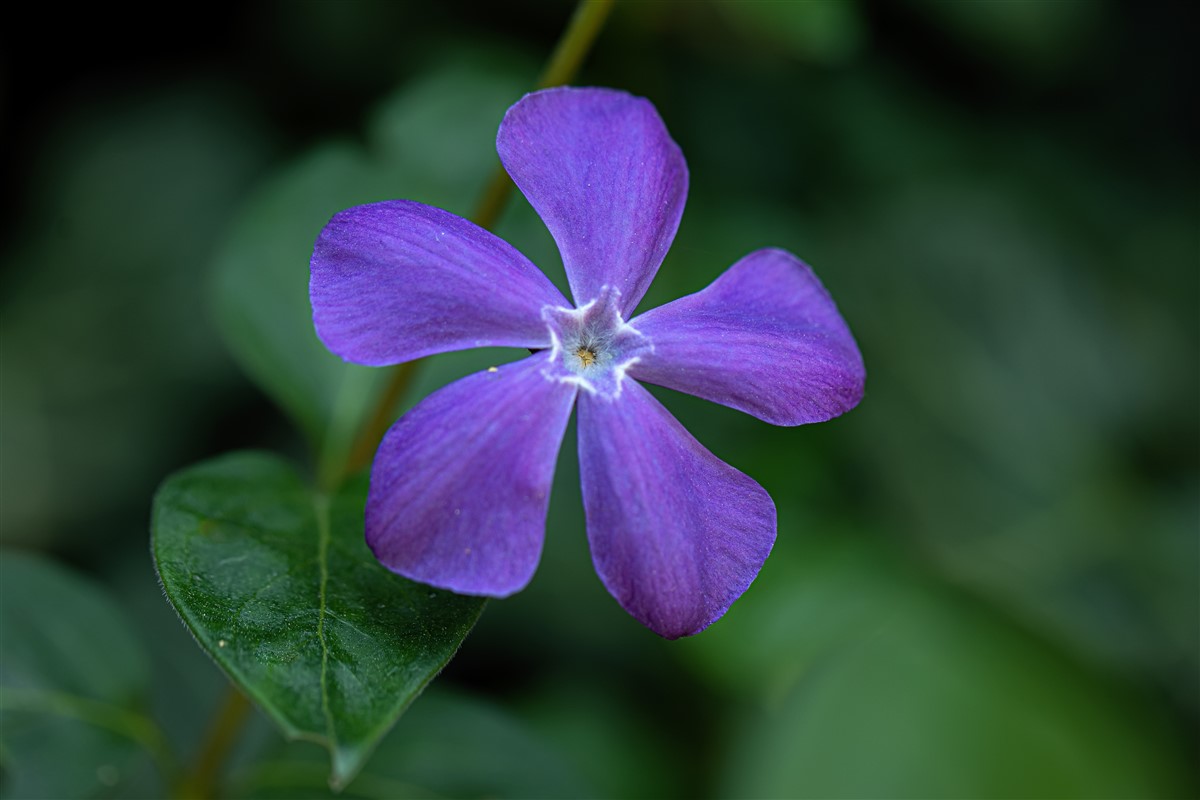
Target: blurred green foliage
x=74, y=676
x=986, y=577
x=262, y=308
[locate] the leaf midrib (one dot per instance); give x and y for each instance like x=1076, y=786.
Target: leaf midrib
x=321, y=508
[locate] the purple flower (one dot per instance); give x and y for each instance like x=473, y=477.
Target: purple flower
x=460, y=485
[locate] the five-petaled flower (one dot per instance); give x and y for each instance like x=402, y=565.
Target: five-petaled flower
x=460, y=485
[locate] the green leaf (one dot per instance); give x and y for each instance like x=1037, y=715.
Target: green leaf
x=277, y=584
x=72, y=676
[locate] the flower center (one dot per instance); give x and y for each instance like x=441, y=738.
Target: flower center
x=593, y=345
x=586, y=355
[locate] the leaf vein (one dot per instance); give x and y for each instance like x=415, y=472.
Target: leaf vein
x=322, y=511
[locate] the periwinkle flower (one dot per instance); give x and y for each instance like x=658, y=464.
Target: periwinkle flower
x=460, y=485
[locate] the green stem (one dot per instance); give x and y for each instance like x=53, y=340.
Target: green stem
x=363, y=449
x=573, y=46
x=564, y=62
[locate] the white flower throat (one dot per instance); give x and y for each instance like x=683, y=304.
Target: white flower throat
x=592, y=345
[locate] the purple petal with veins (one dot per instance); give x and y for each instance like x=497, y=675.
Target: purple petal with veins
x=676, y=534
x=765, y=338
x=602, y=172
x=399, y=280
x=461, y=483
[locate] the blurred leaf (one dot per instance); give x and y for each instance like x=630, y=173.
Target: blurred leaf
x=433, y=142
x=184, y=689
x=277, y=584
x=994, y=341
x=262, y=291
x=619, y=743
x=438, y=134
x=72, y=679
x=875, y=681
x=824, y=31
x=815, y=593
x=448, y=745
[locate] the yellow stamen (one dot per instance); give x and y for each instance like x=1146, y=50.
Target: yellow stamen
x=586, y=355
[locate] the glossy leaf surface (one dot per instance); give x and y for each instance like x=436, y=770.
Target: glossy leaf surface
x=278, y=586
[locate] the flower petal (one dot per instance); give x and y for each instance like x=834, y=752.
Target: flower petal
x=765, y=338
x=398, y=280
x=600, y=169
x=676, y=534
x=461, y=483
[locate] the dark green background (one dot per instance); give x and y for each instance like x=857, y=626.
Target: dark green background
x=986, y=579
